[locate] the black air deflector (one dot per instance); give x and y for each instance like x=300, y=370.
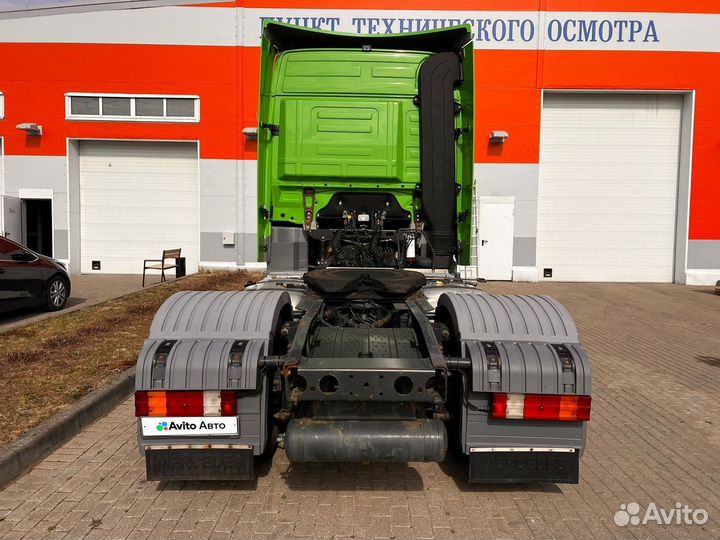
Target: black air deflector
x=439, y=75
x=285, y=37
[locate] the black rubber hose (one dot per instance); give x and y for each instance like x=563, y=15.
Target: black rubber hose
x=336, y=245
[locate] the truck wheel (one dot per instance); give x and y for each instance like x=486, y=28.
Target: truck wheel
x=55, y=294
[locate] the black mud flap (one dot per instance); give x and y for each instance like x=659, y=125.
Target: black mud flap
x=199, y=464
x=521, y=467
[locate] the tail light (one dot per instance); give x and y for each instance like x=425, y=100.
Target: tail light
x=185, y=403
x=541, y=407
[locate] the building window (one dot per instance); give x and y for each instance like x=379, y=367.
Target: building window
x=80, y=105
x=121, y=107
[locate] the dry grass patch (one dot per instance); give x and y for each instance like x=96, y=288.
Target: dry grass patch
x=50, y=364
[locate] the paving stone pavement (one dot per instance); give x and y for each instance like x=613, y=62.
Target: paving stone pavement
x=654, y=437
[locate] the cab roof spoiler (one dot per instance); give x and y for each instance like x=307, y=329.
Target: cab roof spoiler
x=285, y=37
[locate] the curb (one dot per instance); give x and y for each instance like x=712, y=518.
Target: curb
x=21, y=455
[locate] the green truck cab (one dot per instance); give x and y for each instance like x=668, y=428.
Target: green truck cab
x=340, y=145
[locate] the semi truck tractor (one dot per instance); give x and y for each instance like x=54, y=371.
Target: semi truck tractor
x=362, y=343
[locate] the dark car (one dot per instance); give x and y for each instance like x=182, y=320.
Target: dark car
x=30, y=279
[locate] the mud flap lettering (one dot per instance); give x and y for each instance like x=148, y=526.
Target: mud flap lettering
x=202, y=464
x=515, y=467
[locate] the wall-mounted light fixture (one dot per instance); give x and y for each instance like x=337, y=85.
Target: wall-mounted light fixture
x=250, y=133
x=499, y=137
x=31, y=129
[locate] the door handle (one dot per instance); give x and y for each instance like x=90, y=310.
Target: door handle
x=483, y=242
x=2, y=270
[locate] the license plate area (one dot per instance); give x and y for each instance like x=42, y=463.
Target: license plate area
x=507, y=466
x=199, y=464
x=189, y=426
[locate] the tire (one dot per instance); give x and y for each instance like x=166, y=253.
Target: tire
x=56, y=293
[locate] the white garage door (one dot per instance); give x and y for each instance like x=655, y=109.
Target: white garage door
x=136, y=199
x=608, y=183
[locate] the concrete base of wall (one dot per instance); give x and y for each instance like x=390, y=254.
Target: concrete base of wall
x=218, y=265
x=221, y=265
x=525, y=273
x=702, y=277
x=254, y=267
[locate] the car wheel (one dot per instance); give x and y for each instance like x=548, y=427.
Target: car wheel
x=56, y=293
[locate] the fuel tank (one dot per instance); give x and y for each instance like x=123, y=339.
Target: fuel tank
x=314, y=440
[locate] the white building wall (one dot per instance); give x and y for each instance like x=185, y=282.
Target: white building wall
x=48, y=173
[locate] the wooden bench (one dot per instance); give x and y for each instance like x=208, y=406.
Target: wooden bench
x=160, y=264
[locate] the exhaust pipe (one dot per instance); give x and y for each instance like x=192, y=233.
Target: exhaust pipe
x=312, y=440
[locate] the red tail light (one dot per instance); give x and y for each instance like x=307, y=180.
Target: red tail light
x=228, y=403
x=541, y=407
x=185, y=403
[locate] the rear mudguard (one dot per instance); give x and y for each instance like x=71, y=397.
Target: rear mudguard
x=190, y=347
x=530, y=336
x=517, y=345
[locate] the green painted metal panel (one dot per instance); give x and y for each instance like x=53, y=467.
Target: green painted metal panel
x=348, y=72
x=334, y=138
